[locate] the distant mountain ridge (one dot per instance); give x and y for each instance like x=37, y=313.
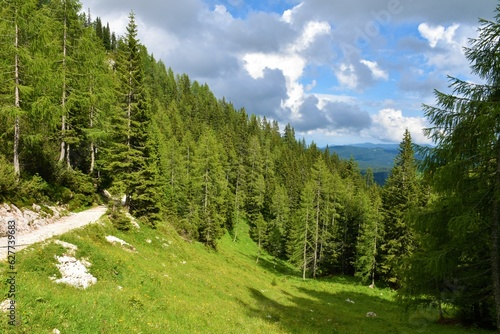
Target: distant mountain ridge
x=368, y=155
x=378, y=157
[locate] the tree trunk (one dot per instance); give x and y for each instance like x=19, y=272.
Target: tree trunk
x=236, y=203
x=17, y=103
x=305, y=248
x=316, y=235
x=374, y=264
x=91, y=124
x=63, y=98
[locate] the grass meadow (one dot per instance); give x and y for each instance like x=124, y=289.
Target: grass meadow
x=168, y=285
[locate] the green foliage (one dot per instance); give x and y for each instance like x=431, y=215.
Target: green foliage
x=8, y=180
x=119, y=219
x=169, y=286
x=401, y=194
x=99, y=114
x=459, y=250
x=32, y=190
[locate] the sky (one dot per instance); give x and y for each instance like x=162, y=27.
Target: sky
x=340, y=72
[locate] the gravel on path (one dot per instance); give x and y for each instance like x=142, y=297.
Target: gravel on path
x=61, y=226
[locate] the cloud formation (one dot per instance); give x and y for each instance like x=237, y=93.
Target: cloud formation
x=327, y=67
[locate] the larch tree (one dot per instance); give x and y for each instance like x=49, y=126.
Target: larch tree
x=14, y=57
x=67, y=29
x=209, y=188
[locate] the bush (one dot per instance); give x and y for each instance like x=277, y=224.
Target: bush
x=79, y=201
x=33, y=190
x=120, y=220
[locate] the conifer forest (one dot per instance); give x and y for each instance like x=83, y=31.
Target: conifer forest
x=85, y=112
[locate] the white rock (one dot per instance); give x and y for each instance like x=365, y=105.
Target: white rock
x=371, y=315
x=74, y=272
x=4, y=306
x=126, y=245
x=113, y=239
x=56, y=331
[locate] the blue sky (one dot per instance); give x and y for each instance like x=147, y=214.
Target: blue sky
x=339, y=72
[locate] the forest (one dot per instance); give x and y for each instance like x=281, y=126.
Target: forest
x=83, y=111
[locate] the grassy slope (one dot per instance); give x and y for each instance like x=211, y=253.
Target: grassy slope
x=171, y=286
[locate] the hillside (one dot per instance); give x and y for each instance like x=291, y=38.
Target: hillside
x=378, y=157
x=163, y=284
x=368, y=156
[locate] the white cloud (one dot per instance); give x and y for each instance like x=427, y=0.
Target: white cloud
x=389, y=125
x=434, y=34
x=310, y=86
x=289, y=62
x=311, y=31
x=346, y=75
x=271, y=63
x=289, y=13
x=377, y=72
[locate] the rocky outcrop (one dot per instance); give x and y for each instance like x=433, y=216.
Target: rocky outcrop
x=28, y=219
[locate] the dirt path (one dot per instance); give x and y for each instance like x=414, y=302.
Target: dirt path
x=61, y=226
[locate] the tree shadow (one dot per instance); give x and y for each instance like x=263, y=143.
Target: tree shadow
x=313, y=311
x=273, y=265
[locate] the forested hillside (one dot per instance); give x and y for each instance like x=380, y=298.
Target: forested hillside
x=83, y=111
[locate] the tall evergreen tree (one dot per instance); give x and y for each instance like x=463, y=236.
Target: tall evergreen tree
x=400, y=194
x=14, y=60
x=131, y=151
x=368, y=243
x=210, y=188
x=464, y=170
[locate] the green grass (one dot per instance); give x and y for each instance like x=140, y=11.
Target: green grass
x=172, y=286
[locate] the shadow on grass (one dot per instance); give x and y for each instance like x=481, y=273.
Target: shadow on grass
x=276, y=266
x=311, y=311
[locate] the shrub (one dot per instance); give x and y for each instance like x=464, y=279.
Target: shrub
x=120, y=220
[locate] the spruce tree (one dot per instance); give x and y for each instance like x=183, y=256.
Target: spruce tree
x=368, y=243
x=280, y=210
x=464, y=171
x=400, y=194
x=130, y=156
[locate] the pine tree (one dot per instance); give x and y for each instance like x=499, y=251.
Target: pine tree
x=322, y=198
x=256, y=189
x=67, y=29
